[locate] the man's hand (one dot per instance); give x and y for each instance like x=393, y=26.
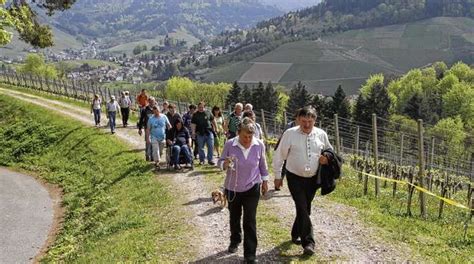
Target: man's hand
x=278, y=183
x=264, y=187
x=323, y=160
x=169, y=142
x=139, y=132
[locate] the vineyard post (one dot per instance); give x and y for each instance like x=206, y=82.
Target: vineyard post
x=410, y=192
x=470, y=189
x=375, y=152
x=265, y=132
x=401, y=149
x=356, y=152
x=285, y=118
x=430, y=184
x=443, y=194
x=421, y=164
x=338, y=139
x=65, y=88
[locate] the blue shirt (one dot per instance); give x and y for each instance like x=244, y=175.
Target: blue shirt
x=157, y=126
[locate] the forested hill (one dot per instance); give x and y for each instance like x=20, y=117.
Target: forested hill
x=333, y=16
x=125, y=19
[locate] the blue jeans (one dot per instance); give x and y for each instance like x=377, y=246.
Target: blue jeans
x=177, y=150
x=112, y=121
x=209, y=141
x=97, y=116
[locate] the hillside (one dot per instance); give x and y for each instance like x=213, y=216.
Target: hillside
x=349, y=58
x=118, y=21
x=62, y=40
x=289, y=5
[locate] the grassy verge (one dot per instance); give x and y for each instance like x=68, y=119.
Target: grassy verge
x=79, y=103
x=440, y=240
x=117, y=210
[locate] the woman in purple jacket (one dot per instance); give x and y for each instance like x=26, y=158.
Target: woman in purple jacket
x=244, y=159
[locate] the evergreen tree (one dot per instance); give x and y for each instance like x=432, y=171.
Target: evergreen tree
x=258, y=97
x=246, y=95
x=339, y=104
x=271, y=98
x=233, y=96
x=413, y=107
x=299, y=97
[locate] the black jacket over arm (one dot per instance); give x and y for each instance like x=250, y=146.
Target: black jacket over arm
x=331, y=171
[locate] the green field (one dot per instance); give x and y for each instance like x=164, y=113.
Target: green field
x=349, y=58
x=128, y=47
x=92, y=62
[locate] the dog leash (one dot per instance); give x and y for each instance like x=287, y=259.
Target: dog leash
x=233, y=170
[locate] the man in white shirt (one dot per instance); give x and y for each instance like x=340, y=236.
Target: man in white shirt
x=301, y=147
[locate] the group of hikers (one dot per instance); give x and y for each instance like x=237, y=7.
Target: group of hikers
x=303, y=155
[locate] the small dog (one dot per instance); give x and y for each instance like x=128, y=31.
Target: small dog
x=219, y=197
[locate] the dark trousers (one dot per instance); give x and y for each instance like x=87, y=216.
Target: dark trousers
x=302, y=190
x=125, y=115
x=247, y=201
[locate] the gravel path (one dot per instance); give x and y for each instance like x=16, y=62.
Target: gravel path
x=339, y=235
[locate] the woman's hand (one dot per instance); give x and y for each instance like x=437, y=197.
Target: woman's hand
x=264, y=187
x=226, y=163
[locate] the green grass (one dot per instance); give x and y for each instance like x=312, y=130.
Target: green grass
x=116, y=209
x=437, y=240
x=179, y=35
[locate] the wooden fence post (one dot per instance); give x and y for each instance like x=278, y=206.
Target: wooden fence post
x=401, y=149
x=444, y=190
x=265, y=132
x=376, y=153
x=410, y=192
x=356, y=146
x=421, y=164
x=338, y=139
x=285, y=119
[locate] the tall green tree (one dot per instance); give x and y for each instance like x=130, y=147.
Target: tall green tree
x=35, y=65
x=246, y=95
x=258, y=97
x=299, y=97
x=340, y=104
x=234, y=95
x=271, y=98
x=19, y=16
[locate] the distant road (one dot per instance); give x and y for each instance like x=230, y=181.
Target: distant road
x=26, y=216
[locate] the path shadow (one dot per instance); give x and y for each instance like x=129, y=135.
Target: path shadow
x=213, y=210
x=199, y=173
x=272, y=194
x=271, y=256
x=221, y=257
x=199, y=200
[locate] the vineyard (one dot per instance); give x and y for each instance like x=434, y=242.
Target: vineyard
x=382, y=152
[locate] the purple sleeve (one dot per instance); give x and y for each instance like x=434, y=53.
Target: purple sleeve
x=263, y=164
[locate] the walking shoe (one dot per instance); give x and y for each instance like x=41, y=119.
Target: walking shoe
x=212, y=163
x=233, y=248
x=308, y=250
x=296, y=240
x=250, y=261
x=201, y=163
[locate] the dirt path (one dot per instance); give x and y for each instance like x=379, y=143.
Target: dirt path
x=339, y=235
